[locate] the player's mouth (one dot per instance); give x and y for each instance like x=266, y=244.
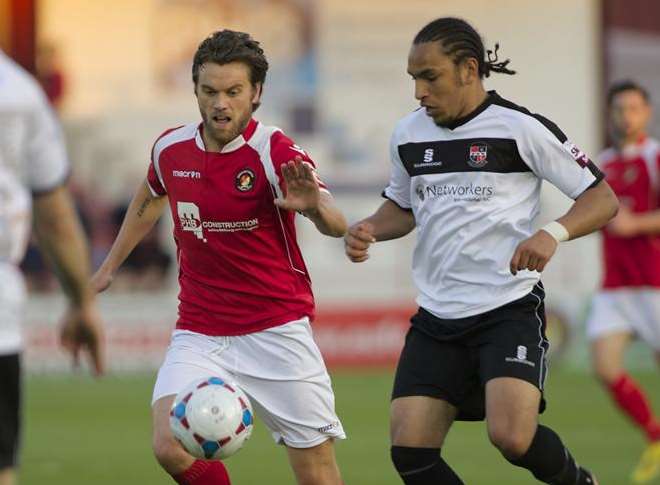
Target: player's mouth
x=221, y=121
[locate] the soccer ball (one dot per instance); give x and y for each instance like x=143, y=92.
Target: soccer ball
x=211, y=418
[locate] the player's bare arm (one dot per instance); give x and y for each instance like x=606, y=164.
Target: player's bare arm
x=303, y=194
x=591, y=211
x=143, y=212
x=388, y=222
x=62, y=239
x=630, y=224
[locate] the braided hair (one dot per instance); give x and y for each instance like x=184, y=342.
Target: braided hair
x=460, y=41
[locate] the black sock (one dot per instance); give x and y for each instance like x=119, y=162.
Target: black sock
x=423, y=466
x=550, y=462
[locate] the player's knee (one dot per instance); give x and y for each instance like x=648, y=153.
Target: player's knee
x=606, y=373
x=170, y=454
x=511, y=443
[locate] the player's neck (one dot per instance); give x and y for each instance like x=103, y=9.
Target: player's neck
x=473, y=100
x=212, y=144
x=628, y=141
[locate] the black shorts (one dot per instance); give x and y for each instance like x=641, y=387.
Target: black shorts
x=509, y=341
x=10, y=401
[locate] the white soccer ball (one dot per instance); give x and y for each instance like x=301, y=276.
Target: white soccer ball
x=211, y=418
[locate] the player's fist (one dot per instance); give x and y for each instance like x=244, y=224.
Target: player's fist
x=357, y=241
x=533, y=253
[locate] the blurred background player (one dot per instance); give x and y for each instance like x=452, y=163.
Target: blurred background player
x=234, y=186
x=466, y=173
x=628, y=304
x=33, y=172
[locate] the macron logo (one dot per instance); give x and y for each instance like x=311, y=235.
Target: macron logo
x=186, y=174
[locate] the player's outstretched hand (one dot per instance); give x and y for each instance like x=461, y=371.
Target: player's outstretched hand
x=357, y=241
x=81, y=331
x=302, y=187
x=533, y=253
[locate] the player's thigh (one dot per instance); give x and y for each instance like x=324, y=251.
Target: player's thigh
x=433, y=379
x=10, y=402
x=512, y=410
x=607, y=354
x=316, y=465
x=420, y=421
x=283, y=373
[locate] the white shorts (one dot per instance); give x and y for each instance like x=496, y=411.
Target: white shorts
x=280, y=369
x=627, y=310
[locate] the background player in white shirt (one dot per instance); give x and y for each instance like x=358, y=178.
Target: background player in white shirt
x=33, y=172
x=466, y=173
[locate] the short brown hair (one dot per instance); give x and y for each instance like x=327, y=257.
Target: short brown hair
x=227, y=46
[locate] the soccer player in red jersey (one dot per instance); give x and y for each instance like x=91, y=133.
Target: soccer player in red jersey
x=233, y=186
x=628, y=303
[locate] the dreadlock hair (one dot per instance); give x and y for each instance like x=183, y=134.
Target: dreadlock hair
x=626, y=85
x=227, y=46
x=460, y=41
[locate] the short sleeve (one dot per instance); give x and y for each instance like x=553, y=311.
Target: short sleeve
x=398, y=189
x=154, y=176
x=552, y=157
x=47, y=165
x=283, y=150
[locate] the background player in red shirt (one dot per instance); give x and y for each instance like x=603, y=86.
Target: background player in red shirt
x=628, y=304
x=233, y=187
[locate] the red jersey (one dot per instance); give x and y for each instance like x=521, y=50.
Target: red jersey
x=633, y=175
x=240, y=267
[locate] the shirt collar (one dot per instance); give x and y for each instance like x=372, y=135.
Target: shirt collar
x=233, y=145
x=491, y=95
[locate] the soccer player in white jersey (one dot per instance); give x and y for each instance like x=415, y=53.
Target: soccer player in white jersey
x=33, y=172
x=628, y=303
x=233, y=186
x=466, y=173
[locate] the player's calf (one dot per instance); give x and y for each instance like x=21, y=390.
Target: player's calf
x=550, y=462
x=422, y=466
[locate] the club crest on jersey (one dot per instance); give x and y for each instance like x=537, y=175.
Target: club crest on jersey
x=478, y=155
x=245, y=180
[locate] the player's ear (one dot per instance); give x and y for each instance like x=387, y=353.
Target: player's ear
x=257, y=93
x=468, y=70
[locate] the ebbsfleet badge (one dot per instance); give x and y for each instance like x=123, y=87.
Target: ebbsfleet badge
x=245, y=180
x=478, y=155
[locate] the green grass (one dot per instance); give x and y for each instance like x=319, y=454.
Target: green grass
x=82, y=432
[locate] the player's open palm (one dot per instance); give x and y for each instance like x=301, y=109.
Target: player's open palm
x=81, y=330
x=357, y=241
x=302, y=187
x=533, y=253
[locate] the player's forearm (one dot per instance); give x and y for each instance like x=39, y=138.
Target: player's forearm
x=327, y=218
x=61, y=238
x=391, y=221
x=591, y=211
x=142, y=213
x=648, y=222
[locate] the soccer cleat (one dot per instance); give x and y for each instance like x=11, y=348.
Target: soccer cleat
x=588, y=477
x=649, y=464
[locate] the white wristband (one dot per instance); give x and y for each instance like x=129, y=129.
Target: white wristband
x=557, y=231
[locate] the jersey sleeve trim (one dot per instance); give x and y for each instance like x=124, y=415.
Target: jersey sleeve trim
x=53, y=187
x=399, y=204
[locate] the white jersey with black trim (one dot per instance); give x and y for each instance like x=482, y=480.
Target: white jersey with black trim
x=474, y=189
x=32, y=159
